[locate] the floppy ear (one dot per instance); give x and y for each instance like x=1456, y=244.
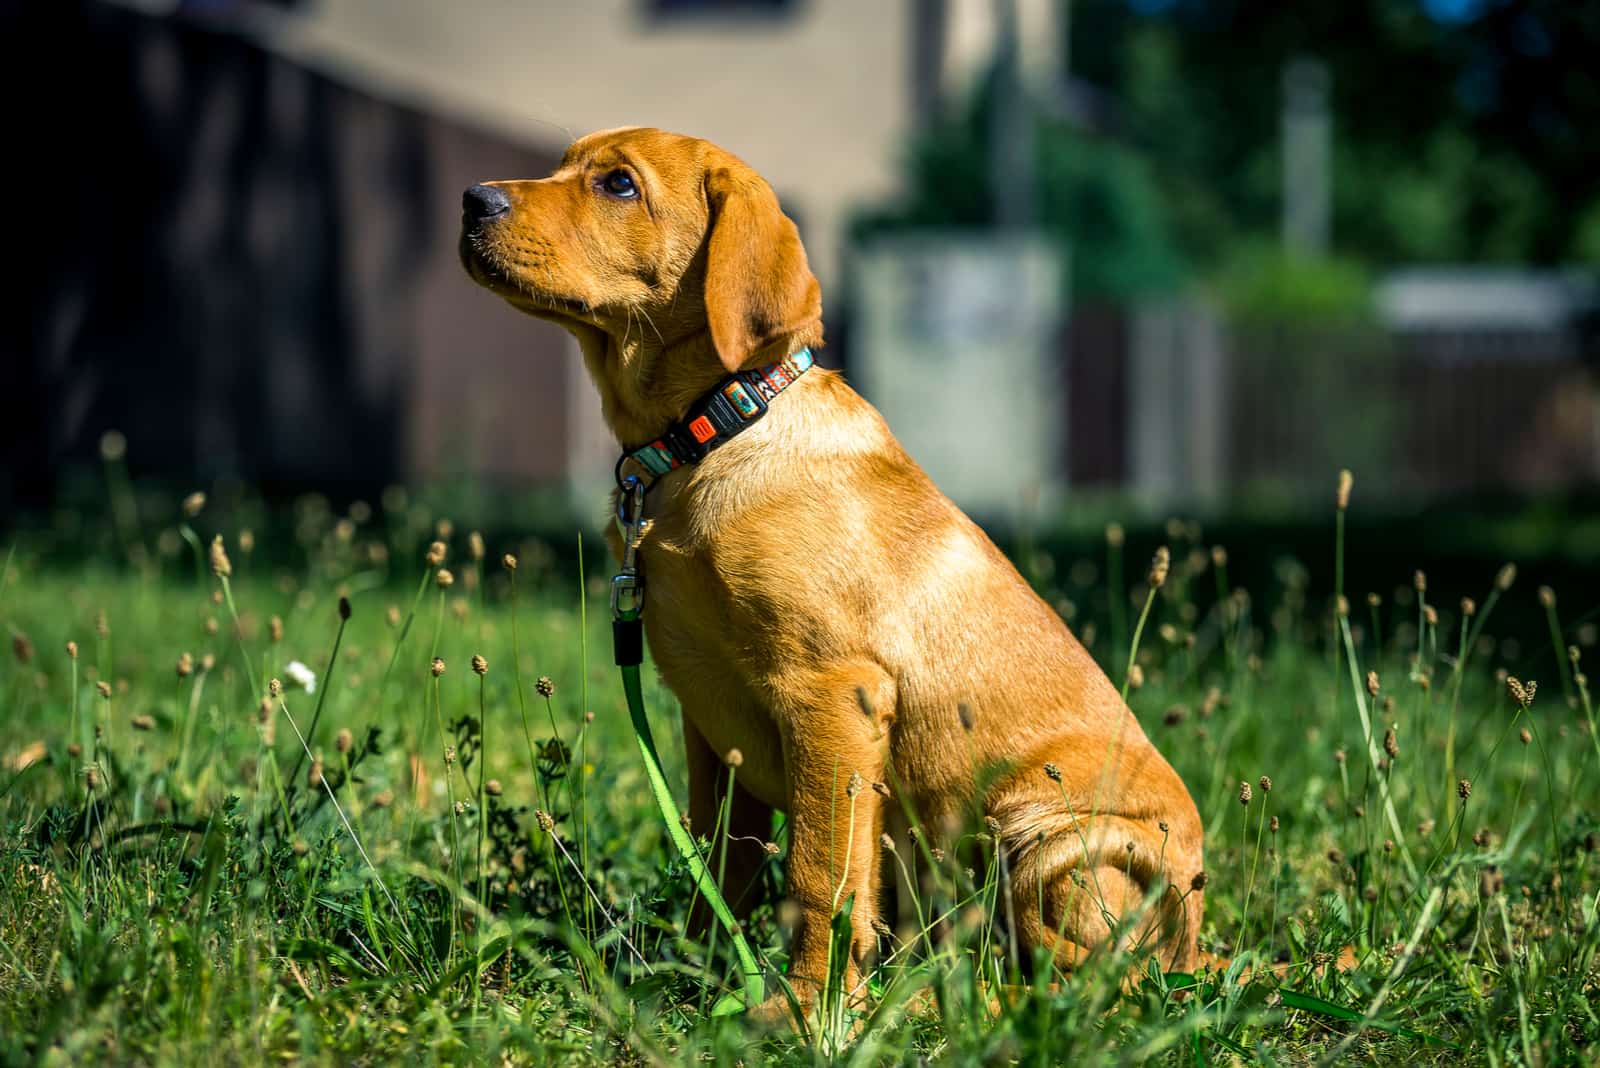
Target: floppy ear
x=758, y=289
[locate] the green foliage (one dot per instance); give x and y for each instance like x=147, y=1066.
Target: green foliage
x=1094, y=195
x=1454, y=139
x=1262, y=284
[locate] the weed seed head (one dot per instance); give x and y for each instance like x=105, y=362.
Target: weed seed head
x=72, y=650
x=193, y=504
x=104, y=689
x=444, y=579
x=1266, y=784
x=1464, y=789
x=344, y=741
x=770, y=848
x=733, y=758
x=185, y=665
x=1469, y=607
x=275, y=629
x=274, y=687
x=1272, y=825
x=1114, y=535
x=113, y=446
x=1245, y=793
x=1347, y=481
x=508, y=562
x=436, y=553
x=964, y=713
x=1219, y=556
x=1419, y=581
x=475, y=547
x=1507, y=575
x=1339, y=756
x=1524, y=736
x=1372, y=684
x=1160, y=564
x=1341, y=606
x=1547, y=596
x=247, y=541
x=480, y=665
x=1430, y=615
x=547, y=822
x=1391, y=744
x=437, y=667
x=1521, y=692
x=493, y=788
x=144, y=722
x=1135, y=677
x=314, y=776
x=886, y=843
x=1052, y=772
x=853, y=787
x=344, y=608
x=220, y=566
x=1197, y=884
x=102, y=626
x=545, y=686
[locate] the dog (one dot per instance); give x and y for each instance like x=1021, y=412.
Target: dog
x=829, y=621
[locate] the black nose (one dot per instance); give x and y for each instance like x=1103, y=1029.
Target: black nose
x=485, y=202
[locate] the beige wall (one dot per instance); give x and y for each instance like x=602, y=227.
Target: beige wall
x=818, y=100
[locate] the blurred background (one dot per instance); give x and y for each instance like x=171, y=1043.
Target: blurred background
x=1092, y=258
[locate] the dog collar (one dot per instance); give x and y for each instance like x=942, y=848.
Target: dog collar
x=722, y=413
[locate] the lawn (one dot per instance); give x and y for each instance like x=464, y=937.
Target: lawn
x=463, y=861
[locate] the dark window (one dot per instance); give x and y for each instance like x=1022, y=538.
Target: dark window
x=739, y=8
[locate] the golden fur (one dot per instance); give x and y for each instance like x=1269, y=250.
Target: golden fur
x=808, y=570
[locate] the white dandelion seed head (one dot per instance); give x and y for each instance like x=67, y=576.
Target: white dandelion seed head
x=302, y=675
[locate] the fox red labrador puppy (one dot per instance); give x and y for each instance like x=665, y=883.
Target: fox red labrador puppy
x=815, y=602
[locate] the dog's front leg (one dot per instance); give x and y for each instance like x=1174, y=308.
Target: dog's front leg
x=835, y=728
x=739, y=854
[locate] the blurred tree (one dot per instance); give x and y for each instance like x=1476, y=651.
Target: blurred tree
x=1094, y=193
x=1464, y=129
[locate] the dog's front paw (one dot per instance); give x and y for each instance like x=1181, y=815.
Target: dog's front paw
x=782, y=1011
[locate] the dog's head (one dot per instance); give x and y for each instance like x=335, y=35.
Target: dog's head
x=651, y=236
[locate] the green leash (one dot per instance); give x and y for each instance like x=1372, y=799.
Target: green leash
x=627, y=639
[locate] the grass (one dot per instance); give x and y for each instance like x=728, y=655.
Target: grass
x=419, y=860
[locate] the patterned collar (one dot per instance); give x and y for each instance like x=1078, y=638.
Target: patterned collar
x=723, y=412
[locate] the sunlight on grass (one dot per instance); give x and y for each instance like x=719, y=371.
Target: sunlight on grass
x=206, y=855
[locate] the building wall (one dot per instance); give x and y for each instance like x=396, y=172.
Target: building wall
x=816, y=95
x=250, y=270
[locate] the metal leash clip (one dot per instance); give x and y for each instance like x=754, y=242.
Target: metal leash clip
x=627, y=587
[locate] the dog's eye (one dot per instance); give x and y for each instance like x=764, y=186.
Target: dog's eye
x=620, y=184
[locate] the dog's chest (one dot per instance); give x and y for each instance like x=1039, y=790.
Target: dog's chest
x=703, y=646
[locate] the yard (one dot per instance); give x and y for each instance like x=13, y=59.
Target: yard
x=399, y=850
